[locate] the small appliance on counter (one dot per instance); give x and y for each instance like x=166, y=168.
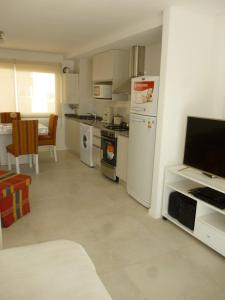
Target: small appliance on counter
x=117, y=120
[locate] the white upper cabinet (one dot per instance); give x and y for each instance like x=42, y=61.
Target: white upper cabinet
x=112, y=65
x=70, y=88
x=103, y=66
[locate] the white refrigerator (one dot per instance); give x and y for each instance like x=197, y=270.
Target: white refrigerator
x=143, y=120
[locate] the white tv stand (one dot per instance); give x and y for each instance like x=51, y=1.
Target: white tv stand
x=209, y=220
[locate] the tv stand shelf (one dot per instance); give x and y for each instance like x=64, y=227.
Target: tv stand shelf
x=216, y=183
x=209, y=220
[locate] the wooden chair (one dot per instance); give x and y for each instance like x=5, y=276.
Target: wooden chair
x=25, y=142
x=8, y=117
x=50, y=138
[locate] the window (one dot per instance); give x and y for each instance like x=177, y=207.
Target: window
x=30, y=88
x=7, y=88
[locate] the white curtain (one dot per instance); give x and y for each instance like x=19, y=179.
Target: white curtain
x=7, y=87
x=34, y=88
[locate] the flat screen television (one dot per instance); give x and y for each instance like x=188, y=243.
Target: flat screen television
x=205, y=145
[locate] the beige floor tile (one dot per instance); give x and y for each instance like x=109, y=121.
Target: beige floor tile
x=136, y=256
x=172, y=277
x=121, y=287
x=18, y=234
x=206, y=260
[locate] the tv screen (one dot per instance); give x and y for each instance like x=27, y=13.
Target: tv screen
x=205, y=145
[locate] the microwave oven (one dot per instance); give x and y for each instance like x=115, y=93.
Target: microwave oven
x=102, y=91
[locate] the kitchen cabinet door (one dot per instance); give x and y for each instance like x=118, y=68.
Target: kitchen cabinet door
x=112, y=66
x=68, y=133
x=77, y=137
x=72, y=135
x=122, y=154
x=70, y=86
x=103, y=66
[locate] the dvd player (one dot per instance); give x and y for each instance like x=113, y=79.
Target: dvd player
x=210, y=196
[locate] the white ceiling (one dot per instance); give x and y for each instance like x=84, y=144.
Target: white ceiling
x=73, y=27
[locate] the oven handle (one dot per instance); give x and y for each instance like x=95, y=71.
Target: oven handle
x=109, y=139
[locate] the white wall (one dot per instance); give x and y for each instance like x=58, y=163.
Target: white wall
x=85, y=85
x=218, y=66
x=41, y=57
x=153, y=59
x=186, y=85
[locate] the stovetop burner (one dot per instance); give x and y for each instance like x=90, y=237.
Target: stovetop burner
x=117, y=127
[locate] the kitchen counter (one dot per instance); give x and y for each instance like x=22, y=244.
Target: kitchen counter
x=97, y=124
x=88, y=117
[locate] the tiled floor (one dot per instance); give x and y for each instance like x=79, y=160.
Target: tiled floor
x=136, y=256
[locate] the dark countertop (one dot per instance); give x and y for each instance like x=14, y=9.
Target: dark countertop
x=84, y=117
x=97, y=123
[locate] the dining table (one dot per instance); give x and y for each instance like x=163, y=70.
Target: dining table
x=6, y=139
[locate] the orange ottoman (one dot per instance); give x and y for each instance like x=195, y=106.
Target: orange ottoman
x=14, y=196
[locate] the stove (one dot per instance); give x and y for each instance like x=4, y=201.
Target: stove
x=122, y=127
x=109, y=149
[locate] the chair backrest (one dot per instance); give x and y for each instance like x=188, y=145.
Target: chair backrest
x=8, y=117
x=52, y=126
x=25, y=137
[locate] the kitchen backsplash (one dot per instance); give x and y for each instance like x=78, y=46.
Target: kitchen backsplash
x=121, y=109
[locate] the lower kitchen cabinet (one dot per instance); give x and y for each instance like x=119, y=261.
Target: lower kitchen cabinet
x=72, y=135
x=96, y=146
x=122, y=156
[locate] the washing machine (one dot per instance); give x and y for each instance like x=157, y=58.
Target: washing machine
x=86, y=154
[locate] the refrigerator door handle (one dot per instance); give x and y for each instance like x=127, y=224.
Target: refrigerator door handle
x=137, y=120
x=138, y=108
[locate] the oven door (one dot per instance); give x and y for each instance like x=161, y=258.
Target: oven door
x=109, y=150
